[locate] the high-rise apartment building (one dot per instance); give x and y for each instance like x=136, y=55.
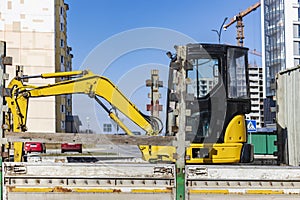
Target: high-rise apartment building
x=256, y=94
x=36, y=36
x=281, y=45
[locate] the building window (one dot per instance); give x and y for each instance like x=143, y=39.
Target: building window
x=296, y=61
x=61, y=10
x=69, y=102
x=296, y=31
x=61, y=43
x=107, y=128
x=62, y=59
x=62, y=108
x=296, y=48
x=61, y=27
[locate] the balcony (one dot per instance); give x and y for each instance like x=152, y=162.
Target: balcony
x=255, y=96
x=254, y=84
x=254, y=90
x=255, y=103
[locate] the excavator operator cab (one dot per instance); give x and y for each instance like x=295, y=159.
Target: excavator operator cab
x=216, y=96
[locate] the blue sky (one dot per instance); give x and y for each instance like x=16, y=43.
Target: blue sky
x=92, y=24
x=92, y=21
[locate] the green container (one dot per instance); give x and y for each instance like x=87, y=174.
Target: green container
x=263, y=143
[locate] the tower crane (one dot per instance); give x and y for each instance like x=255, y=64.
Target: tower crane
x=240, y=25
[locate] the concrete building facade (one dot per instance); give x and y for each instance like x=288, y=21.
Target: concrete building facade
x=36, y=36
x=280, y=45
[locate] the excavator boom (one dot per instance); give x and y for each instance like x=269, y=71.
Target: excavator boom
x=89, y=83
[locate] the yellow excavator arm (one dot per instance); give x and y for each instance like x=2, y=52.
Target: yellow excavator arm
x=85, y=82
x=88, y=83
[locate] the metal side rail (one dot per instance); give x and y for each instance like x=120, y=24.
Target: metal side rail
x=242, y=180
x=88, y=181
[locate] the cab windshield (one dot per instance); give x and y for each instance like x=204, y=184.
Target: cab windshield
x=203, y=76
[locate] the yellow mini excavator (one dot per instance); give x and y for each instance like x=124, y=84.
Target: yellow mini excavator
x=208, y=96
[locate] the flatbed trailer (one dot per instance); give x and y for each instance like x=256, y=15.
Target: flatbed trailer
x=87, y=181
x=147, y=181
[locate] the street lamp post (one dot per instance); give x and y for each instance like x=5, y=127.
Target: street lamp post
x=220, y=30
